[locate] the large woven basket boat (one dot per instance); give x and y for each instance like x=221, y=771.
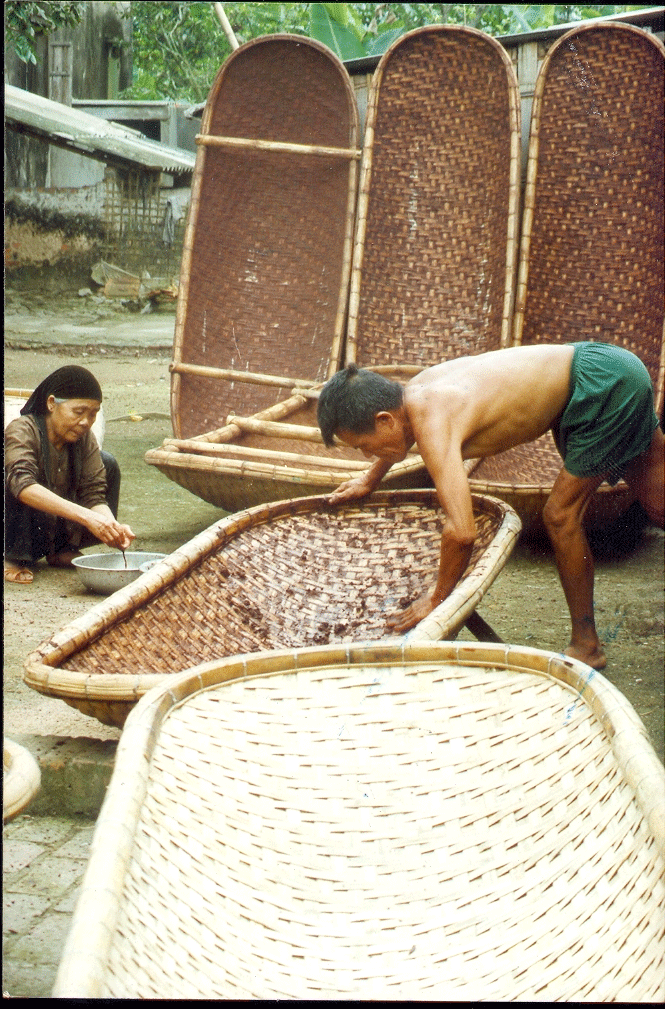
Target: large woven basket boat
x=267, y=251
x=592, y=249
x=437, y=232
x=434, y=260
x=378, y=822
x=285, y=574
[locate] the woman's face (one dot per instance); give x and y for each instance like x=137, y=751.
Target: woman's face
x=68, y=420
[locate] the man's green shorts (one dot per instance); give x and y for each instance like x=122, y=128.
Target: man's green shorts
x=609, y=419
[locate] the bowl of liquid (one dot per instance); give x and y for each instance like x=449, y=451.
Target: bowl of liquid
x=107, y=572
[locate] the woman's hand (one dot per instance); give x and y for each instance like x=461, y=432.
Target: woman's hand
x=105, y=528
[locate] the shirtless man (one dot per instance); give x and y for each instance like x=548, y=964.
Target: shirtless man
x=597, y=399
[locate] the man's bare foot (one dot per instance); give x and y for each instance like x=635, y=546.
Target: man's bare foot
x=593, y=657
x=18, y=573
x=63, y=559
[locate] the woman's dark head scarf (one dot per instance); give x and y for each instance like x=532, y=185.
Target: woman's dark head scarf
x=70, y=382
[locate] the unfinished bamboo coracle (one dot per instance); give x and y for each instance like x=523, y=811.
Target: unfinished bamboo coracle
x=592, y=247
x=434, y=261
x=378, y=822
x=280, y=575
x=267, y=250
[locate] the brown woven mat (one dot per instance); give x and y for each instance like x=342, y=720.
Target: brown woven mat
x=309, y=578
x=592, y=251
x=436, y=239
x=592, y=255
x=265, y=268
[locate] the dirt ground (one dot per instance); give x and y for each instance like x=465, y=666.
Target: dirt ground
x=525, y=606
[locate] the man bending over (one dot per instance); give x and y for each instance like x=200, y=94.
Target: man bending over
x=597, y=399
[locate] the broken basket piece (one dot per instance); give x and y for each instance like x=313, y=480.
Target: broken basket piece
x=592, y=249
x=267, y=250
x=437, y=230
x=403, y=821
x=282, y=575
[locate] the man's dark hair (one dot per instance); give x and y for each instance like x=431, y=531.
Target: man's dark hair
x=351, y=398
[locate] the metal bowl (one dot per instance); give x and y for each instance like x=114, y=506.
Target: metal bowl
x=106, y=573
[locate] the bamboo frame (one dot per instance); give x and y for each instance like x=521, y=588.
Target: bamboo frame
x=600, y=240
x=108, y=694
x=499, y=892
x=255, y=396
x=365, y=286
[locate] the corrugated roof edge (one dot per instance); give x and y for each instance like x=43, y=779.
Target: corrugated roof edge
x=87, y=134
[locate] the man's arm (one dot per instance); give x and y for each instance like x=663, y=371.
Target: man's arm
x=441, y=451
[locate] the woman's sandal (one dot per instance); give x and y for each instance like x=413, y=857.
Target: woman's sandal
x=21, y=576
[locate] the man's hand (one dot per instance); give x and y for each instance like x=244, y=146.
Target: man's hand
x=415, y=612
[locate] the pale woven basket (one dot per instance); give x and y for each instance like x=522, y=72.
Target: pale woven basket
x=21, y=779
x=413, y=821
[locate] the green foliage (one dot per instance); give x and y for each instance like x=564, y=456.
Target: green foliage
x=24, y=21
x=179, y=46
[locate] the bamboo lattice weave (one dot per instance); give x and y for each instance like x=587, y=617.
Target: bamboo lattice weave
x=437, y=226
x=267, y=252
x=275, y=576
x=305, y=579
x=452, y=825
x=592, y=261
x=592, y=249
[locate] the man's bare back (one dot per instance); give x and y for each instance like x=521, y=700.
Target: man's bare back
x=491, y=402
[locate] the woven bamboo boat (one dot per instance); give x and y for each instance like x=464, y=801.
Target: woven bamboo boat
x=437, y=232
x=434, y=260
x=285, y=574
x=378, y=822
x=21, y=779
x=267, y=250
x=592, y=247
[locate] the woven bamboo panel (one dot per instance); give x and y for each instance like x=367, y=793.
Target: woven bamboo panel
x=266, y=261
x=282, y=575
x=385, y=822
x=592, y=249
x=437, y=232
x=592, y=255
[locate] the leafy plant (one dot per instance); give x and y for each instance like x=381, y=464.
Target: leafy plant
x=24, y=21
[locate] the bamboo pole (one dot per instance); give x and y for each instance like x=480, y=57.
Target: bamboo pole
x=262, y=454
x=226, y=27
x=253, y=425
x=252, y=377
x=276, y=145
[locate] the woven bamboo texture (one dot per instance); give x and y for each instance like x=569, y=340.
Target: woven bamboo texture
x=427, y=822
x=283, y=575
x=21, y=779
x=267, y=250
x=437, y=232
x=268, y=459
x=592, y=247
